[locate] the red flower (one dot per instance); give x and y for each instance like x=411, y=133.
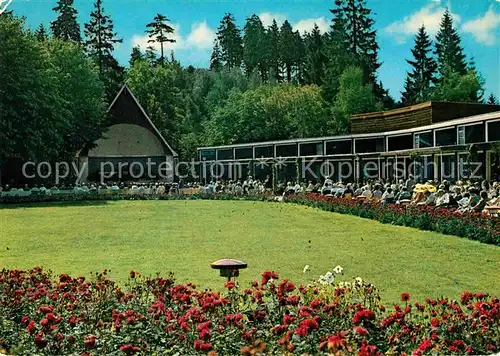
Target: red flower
x=405, y=297
x=360, y=331
x=40, y=342
x=129, y=349
x=425, y=345
x=363, y=315
x=31, y=327
x=45, y=309
x=337, y=342
x=230, y=284
x=89, y=341
x=267, y=275
x=435, y=322
x=205, y=334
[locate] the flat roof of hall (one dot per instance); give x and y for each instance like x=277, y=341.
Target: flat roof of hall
x=465, y=120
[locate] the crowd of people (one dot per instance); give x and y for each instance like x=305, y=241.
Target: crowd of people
x=463, y=196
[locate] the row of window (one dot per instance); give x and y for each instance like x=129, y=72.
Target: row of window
x=439, y=137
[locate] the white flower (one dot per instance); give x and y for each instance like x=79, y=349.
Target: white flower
x=359, y=281
x=329, y=277
x=307, y=268
x=345, y=285
x=322, y=280
x=338, y=270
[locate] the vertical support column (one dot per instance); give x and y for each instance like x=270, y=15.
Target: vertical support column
x=488, y=165
x=435, y=161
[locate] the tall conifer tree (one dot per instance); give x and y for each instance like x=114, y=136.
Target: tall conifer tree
x=254, y=47
x=422, y=77
x=449, y=51
x=287, y=48
x=100, y=44
x=273, y=52
x=230, y=41
x=159, y=31
x=66, y=27
x=315, y=60
x=41, y=34
x=216, y=58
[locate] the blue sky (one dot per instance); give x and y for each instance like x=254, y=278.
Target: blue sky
x=196, y=21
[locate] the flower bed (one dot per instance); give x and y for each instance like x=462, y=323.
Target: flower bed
x=40, y=315
x=475, y=226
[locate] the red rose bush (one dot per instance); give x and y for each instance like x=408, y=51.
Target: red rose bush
x=43, y=315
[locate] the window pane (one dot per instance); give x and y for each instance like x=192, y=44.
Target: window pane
x=208, y=155
x=370, y=145
x=286, y=151
x=494, y=131
x=425, y=139
x=474, y=134
x=400, y=142
x=242, y=153
x=311, y=149
x=264, y=151
x=225, y=154
x=446, y=137
x=339, y=147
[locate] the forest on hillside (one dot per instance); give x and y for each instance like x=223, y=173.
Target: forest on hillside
x=261, y=83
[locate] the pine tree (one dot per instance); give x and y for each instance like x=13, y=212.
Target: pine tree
x=159, y=31
x=492, y=100
x=216, y=58
x=273, y=52
x=361, y=37
x=448, y=50
x=100, y=44
x=101, y=38
x=254, y=47
x=41, y=34
x=336, y=52
x=420, y=80
x=230, y=41
x=287, y=48
x=299, y=53
x=65, y=27
x=315, y=59
x=136, y=55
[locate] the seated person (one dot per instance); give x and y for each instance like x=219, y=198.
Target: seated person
x=404, y=194
x=388, y=197
x=377, y=193
x=327, y=187
x=481, y=204
x=429, y=198
x=348, y=192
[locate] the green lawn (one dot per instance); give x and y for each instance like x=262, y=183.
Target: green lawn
x=186, y=236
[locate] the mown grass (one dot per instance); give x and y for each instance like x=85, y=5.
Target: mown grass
x=186, y=236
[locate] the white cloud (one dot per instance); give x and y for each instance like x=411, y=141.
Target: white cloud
x=307, y=25
x=430, y=16
x=484, y=27
x=201, y=36
x=268, y=17
x=142, y=41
